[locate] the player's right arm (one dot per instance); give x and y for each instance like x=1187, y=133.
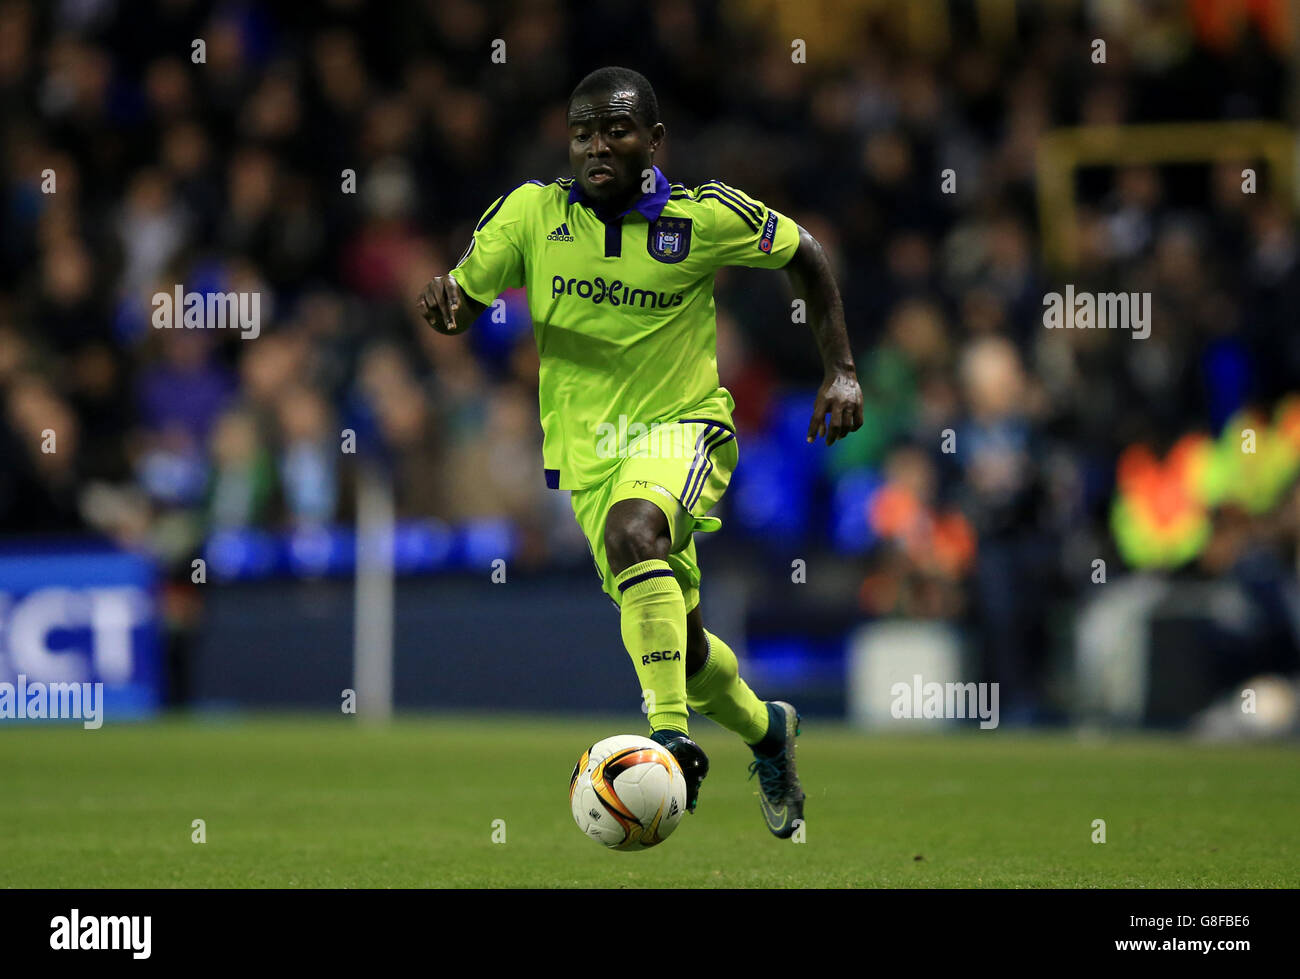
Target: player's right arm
x=493, y=263
x=446, y=308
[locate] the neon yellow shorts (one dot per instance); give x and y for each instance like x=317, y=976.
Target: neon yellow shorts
x=683, y=468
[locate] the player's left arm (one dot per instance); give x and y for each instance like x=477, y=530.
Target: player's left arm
x=743, y=231
x=838, y=407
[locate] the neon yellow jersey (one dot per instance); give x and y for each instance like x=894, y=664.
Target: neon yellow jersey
x=622, y=308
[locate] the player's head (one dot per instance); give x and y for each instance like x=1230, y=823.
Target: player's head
x=614, y=131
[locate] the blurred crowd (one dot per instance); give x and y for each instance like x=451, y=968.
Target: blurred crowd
x=332, y=157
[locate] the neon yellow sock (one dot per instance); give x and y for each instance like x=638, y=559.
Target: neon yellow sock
x=653, y=623
x=717, y=691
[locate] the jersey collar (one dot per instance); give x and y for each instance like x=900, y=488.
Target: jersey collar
x=649, y=206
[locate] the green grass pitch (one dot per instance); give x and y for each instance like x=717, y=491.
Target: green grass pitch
x=325, y=802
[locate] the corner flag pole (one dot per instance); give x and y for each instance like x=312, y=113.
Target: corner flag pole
x=372, y=638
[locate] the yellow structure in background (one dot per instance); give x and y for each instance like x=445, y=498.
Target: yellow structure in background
x=1061, y=152
x=834, y=29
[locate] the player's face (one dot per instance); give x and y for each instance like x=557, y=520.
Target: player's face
x=610, y=148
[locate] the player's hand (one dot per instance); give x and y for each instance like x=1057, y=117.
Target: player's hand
x=439, y=302
x=840, y=398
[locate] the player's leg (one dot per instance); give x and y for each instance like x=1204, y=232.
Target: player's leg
x=628, y=537
x=701, y=477
x=715, y=689
x=697, y=646
x=639, y=545
x=653, y=614
x=637, y=542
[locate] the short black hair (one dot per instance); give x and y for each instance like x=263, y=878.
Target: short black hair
x=613, y=78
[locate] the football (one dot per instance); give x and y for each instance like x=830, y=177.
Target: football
x=627, y=792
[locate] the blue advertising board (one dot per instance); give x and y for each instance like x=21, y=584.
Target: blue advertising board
x=78, y=617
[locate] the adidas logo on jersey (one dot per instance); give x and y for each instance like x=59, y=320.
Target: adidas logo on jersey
x=561, y=233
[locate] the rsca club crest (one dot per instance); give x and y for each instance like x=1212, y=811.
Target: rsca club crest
x=670, y=239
